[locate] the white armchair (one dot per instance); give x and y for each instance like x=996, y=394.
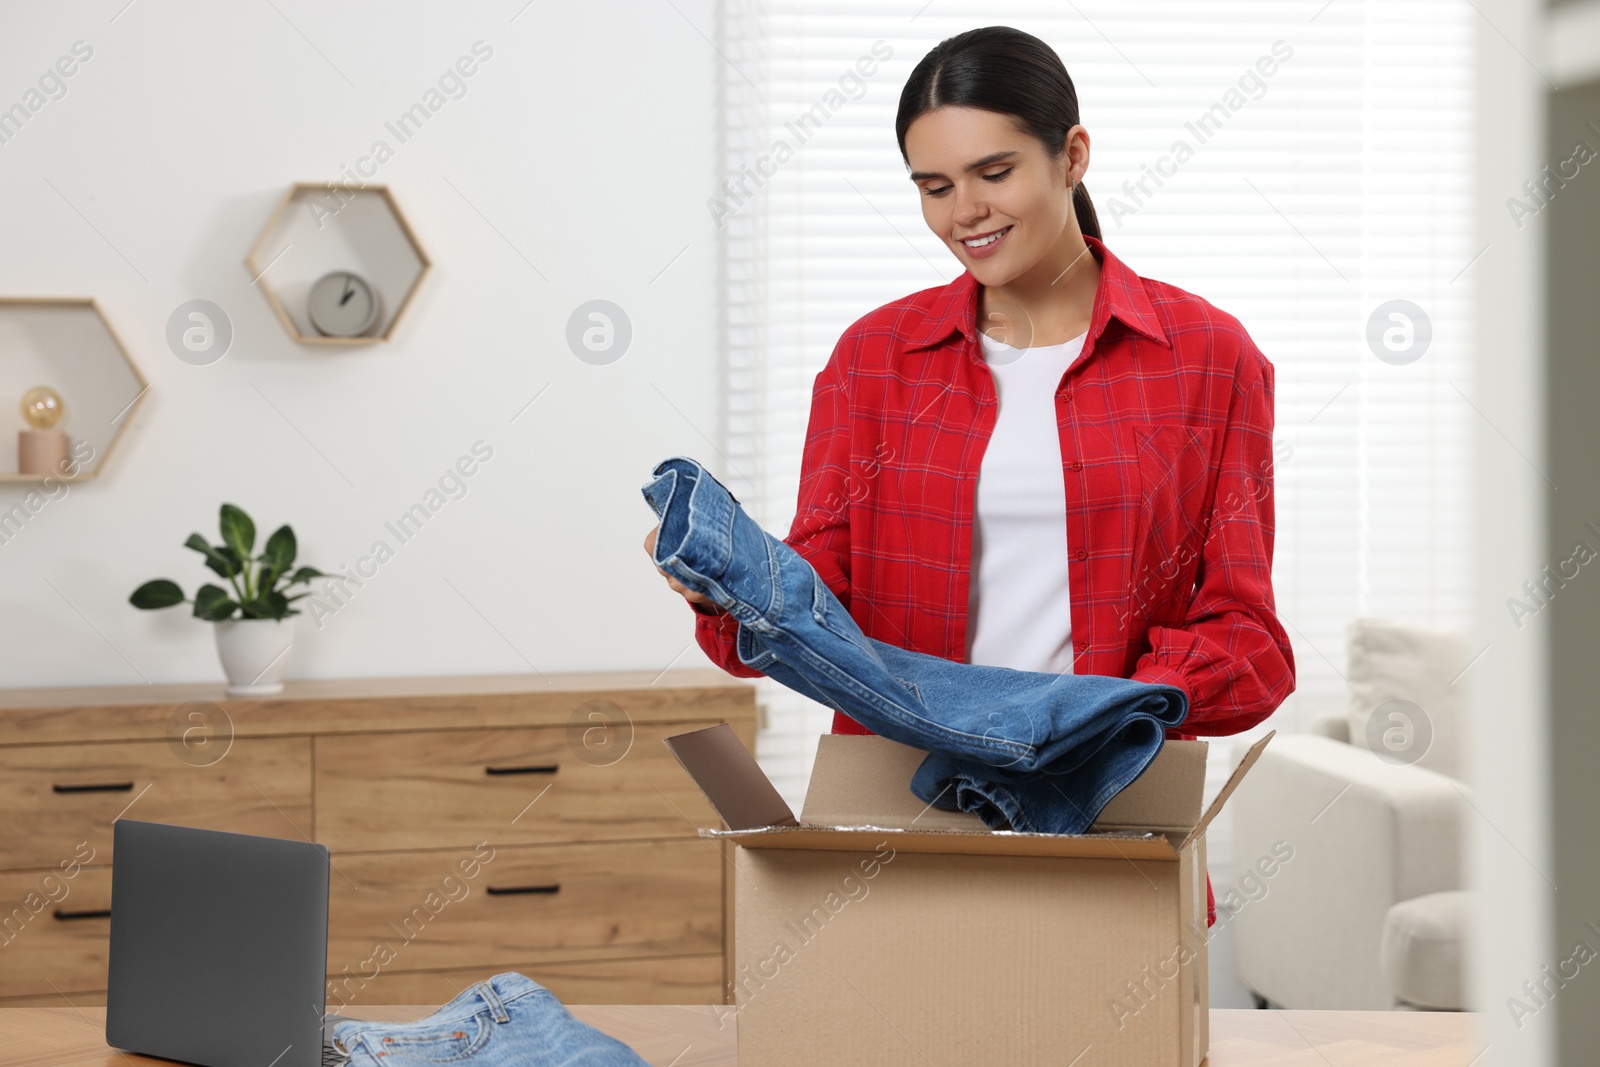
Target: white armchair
x=1370, y=911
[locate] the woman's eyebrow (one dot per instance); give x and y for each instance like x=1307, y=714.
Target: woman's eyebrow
x=988, y=160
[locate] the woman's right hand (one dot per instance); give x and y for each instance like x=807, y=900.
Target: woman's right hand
x=701, y=602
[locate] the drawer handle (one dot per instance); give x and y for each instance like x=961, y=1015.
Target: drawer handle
x=94, y=787
x=497, y=891
x=537, y=768
x=68, y=916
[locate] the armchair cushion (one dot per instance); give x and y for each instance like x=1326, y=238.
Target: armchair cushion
x=1396, y=661
x=1424, y=949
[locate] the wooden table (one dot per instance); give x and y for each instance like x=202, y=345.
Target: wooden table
x=687, y=1036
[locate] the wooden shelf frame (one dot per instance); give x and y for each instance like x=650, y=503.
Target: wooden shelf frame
x=258, y=267
x=91, y=305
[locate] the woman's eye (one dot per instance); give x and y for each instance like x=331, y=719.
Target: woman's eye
x=1000, y=176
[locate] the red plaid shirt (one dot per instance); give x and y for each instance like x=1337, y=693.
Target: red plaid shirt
x=1166, y=420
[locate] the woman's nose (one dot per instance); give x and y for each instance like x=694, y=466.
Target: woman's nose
x=969, y=209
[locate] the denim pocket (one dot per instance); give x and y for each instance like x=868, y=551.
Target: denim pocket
x=443, y=1042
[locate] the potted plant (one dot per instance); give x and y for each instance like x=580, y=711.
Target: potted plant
x=254, y=647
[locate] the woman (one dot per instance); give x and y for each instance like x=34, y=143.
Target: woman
x=1084, y=485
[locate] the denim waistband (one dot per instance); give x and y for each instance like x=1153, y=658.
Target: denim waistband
x=491, y=996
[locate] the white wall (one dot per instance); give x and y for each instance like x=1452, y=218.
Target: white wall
x=585, y=141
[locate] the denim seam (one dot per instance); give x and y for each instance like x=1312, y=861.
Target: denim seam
x=763, y=655
x=491, y=998
x=513, y=998
x=1004, y=799
x=695, y=515
x=355, y=1042
x=774, y=578
x=374, y=1039
x=720, y=595
x=466, y=1007
x=890, y=710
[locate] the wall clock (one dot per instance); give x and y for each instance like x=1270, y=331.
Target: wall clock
x=342, y=304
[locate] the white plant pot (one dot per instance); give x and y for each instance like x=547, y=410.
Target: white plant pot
x=254, y=653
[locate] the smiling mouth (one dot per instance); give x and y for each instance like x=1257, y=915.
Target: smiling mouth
x=986, y=240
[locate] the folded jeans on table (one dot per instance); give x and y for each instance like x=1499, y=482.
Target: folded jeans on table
x=506, y=1021
x=1023, y=750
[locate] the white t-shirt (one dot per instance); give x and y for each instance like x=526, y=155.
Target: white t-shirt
x=1020, y=609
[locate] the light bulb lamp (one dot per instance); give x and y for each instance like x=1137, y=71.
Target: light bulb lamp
x=42, y=449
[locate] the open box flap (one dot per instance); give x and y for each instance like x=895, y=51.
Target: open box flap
x=865, y=778
x=1228, y=787
x=730, y=778
x=1166, y=797
x=853, y=787
x=867, y=838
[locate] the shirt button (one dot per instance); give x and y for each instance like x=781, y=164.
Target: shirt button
x=1077, y=466
x=1067, y=396
x=1083, y=553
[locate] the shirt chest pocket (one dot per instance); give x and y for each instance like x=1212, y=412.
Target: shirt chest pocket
x=1176, y=485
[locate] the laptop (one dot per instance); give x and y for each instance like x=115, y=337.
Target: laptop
x=219, y=948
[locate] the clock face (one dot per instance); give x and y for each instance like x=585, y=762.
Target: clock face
x=342, y=304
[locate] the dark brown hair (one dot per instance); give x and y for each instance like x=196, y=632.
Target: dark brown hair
x=1007, y=71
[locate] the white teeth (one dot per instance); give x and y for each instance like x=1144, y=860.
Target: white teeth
x=991, y=239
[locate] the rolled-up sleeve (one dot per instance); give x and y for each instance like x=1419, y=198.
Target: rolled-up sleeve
x=1231, y=655
x=820, y=532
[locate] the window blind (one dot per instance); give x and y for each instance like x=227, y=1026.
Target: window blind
x=1307, y=201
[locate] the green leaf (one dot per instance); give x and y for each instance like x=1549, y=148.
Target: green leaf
x=305, y=574
x=213, y=604
x=227, y=562
x=238, y=531
x=158, y=593
x=277, y=556
x=266, y=606
x=219, y=559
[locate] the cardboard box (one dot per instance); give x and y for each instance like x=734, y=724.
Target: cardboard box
x=877, y=930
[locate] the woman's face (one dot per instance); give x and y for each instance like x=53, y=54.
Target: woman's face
x=977, y=174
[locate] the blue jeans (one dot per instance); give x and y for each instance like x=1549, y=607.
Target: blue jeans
x=507, y=1021
x=1023, y=750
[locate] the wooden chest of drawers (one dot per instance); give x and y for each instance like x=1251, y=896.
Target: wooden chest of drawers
x=476, y=825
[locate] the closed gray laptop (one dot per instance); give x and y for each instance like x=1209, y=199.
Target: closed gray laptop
x=219, y=946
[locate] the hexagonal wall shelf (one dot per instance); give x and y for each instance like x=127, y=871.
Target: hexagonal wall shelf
x=318, y=229
x=66, y=344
